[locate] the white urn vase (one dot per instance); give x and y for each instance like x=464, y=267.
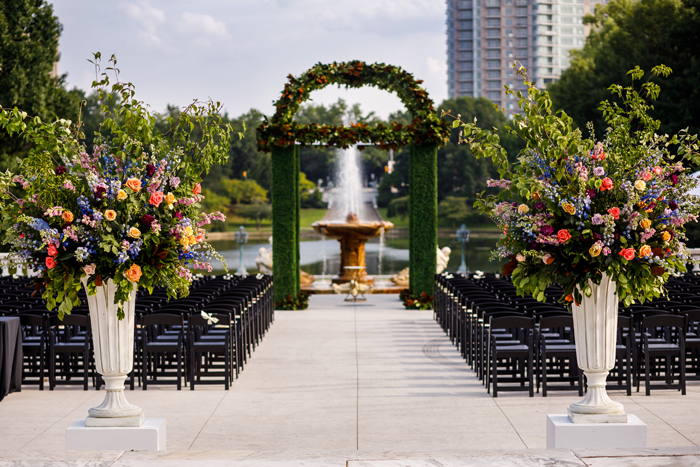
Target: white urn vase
x=113, y=343
x=595, y=331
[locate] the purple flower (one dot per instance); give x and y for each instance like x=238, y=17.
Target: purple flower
x=673, y=205
x=546, y=229
x=150, y=170
x=515, y=205
x=540, y=206
x=147, y=219
x=60, y=170
x=590, y=193
x=674, y=179
x=100, y=192
x=599, y=171
x=533, y=245
x=597, y=219
x=597, y=236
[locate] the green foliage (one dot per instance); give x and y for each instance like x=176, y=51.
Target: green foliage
x=29, y=34
x=588, y=208
x=455, y=209
x=244, y=191
x=423, y=209
x=256, y=211
x=285, y=224
x=398, y=207
x=298, y=302
x=87, y=216
x=641, y=33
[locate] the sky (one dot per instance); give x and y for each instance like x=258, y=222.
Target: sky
x=239, y=52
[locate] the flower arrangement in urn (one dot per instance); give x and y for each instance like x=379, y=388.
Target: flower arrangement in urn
x=572, y=210
x=129, y=211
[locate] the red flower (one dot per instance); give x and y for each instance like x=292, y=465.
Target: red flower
x=615, y=212
x=50, y=263
x=627, y=253
x=607, y=184
x=52, y=251
x=563, y=235
x=197, y=189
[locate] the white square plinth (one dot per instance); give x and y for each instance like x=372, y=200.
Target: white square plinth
x=148, y=437
x=562, y=433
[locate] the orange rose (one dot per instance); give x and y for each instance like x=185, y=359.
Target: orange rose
x=134, y=184
x=67, y=216
x=156, y=198
x=197, y=189
x=644, y=251
x=627, y=253
x=134, y=232
x=110, y=215
x=133, y=273
x=569, y=298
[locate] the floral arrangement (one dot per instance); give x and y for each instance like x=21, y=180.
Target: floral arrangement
x=572, y=209
x=416, y=302
x=129, y=211
x=425, y=129
x=300, y=302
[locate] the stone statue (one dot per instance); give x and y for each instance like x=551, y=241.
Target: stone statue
x=443, y=257
x=264, y=262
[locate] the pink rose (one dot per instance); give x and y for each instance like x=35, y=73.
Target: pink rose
x=52, y=251
x=156, y=198
x=563, y=235
x=50, y=263
x=658, y=170
x=607, y=184
x=615, y=212
x=89, y=269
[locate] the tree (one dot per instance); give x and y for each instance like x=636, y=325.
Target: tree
x=29, y=34
x=455, y=209
x=255, y=211
x=642, y=33
x=244, y=191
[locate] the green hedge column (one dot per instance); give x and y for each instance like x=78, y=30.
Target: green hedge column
x=285, y=221
x=423, y=224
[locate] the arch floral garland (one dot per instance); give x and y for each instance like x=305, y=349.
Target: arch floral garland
x=425, y=129
x=281, y=136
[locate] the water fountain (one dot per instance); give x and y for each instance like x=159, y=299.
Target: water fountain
x=350, y=219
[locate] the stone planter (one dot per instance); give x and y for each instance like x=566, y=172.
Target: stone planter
x=113, y=343
x=595, y=330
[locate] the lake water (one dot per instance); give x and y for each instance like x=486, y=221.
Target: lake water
x=394, y=255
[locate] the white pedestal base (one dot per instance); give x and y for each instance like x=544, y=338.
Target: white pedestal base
x=148, y=437
x=563, y=433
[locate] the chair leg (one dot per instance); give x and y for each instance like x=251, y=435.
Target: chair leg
x=529, y=374
x=543, y=358
x=179, y=369
x=681, y=363
x=495, y=374
x=647, y=371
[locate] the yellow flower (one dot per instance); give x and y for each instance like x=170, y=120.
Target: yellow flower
x=121, y=195
x=645, y=223
x=645, y=251
x=595, y=250
x=134, y=232
x=170, y=198
x=188, y=230
x=192, y=240
x=523, y=208
x=640, y=185
x=666, y=236
x=569, y=208
x=185, y=242
x=110, y=215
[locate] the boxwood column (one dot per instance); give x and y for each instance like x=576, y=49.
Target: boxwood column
x=285, y=221
x=423, y=220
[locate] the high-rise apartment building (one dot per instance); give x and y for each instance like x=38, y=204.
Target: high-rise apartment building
x=485, y=37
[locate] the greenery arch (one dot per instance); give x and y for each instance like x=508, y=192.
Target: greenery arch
x=281, y=136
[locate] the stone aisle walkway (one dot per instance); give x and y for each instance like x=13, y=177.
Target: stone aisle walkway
x=365, y=378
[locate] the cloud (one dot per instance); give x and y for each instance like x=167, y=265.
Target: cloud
x=435, y=66
x=149, y=18
x=204, y=29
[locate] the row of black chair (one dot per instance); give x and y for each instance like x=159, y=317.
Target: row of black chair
x=513, y=339
x=211, y=333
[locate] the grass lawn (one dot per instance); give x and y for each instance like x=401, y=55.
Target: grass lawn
x=309, y=216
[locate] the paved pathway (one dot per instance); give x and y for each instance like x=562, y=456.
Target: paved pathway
x=344, y=378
